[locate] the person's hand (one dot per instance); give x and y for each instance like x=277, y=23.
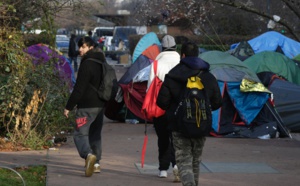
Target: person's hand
x=66, y=113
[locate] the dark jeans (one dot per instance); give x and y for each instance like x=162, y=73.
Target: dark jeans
x=166, y=152
x=75, y=63
x=87, y=134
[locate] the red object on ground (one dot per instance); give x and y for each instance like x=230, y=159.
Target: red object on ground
x=144, y=150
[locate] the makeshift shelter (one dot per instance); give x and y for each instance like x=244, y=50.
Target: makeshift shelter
x=133, y=83
x=144, y=60
x=242, y=51
x=44, y=54
x=277, y=63
x=274, y=41
x=146, y=41
x=297, y=57
x=297, y=60
x=286, y=99
x=245, y=111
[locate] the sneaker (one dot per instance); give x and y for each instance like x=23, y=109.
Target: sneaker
x=176, y=174
x=89, y=165
x=163, y=174
x=97, y=168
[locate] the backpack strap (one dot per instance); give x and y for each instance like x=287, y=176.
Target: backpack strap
x=201, y=71
x=155, y=67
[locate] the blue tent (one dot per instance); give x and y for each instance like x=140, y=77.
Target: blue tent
x=244, y=99
x=146, y=41
x=133, y=93
x=272, y=41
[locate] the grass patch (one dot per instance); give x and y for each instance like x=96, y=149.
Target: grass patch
x=32, y=176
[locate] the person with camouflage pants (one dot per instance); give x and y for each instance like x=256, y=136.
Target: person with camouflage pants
x=188, y=151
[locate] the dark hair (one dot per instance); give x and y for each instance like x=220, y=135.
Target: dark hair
x=86, y=40
x=190, y=49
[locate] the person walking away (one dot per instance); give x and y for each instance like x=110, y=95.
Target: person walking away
x=188, y=151
x=89, y=108
x=73, y=52
x=166, y=60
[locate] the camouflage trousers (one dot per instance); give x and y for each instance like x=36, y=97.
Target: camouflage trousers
x=188, y=153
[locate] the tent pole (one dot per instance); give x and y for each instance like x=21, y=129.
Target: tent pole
x=279, y=120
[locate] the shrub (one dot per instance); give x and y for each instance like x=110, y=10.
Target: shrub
x=32, y=97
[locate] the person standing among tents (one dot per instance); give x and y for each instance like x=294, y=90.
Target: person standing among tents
x=188, y=151
x=166, y=60
x=73, y=52
x=89, y=107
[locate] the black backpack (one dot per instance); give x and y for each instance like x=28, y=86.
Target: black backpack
x=109, y=85
x=193, y=113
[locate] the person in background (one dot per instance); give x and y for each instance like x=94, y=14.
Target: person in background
x=89, y=107
x=90, y=34
x=166, y=60
x=188, y=151
x=73, y=52
x=121, y=45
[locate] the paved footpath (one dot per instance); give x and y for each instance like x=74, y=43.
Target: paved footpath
x=226, y=162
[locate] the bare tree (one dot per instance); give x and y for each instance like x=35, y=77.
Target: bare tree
x=53, y=13
x=289, y=7
x=191, y=16
x=220, y=16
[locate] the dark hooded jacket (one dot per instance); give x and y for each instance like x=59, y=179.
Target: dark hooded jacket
x=72, y=47
x=175, y=81
x=89, y=72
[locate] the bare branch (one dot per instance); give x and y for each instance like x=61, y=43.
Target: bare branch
x=293, y=6
x=255, y=11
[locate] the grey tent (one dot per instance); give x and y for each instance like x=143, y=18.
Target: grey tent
x=286, y=99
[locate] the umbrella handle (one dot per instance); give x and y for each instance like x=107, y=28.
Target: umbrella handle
x=144, y=150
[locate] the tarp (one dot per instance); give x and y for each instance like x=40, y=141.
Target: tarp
x=43, y=54
x=270, y=41
x=277, y=63
x=242, y=51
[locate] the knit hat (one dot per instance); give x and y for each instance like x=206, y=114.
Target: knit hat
x=168, y=42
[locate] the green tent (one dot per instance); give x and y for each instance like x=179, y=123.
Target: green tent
x=297, y=57
x=277, y=63
x=245, y=98
x=226, y=67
